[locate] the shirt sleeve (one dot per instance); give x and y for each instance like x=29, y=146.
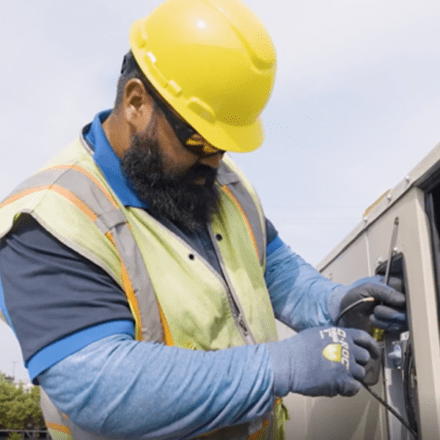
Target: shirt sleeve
x=299, y=293
x=122, y=388
x=55, y=300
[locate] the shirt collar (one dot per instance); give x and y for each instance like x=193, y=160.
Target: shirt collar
x=109, y=163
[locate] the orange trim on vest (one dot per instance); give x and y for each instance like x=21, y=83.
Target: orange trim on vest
x=259, y=433
x=256, y=435
x=251, y=232
x=128, y=289
x=167, y=338
x=59, y=190
x=59, y=428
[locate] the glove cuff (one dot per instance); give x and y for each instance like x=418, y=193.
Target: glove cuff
x=281, y=367
x=334, y=302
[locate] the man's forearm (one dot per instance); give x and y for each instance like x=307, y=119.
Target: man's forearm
x=299, y=293
x=130, y=389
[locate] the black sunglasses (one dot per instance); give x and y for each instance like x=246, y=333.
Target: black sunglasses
x=186, y=134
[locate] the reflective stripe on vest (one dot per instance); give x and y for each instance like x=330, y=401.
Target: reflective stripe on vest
x=55, y=420
x=249, y=206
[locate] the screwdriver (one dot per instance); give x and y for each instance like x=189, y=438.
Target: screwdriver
x=378, y=333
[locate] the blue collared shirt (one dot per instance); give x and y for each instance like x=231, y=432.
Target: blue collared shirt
x=109, y=163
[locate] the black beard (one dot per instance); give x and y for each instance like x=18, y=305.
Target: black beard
x=172, y=196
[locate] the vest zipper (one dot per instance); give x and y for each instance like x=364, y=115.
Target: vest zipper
x=240, y=320
x=242, y=324
x=237, y=313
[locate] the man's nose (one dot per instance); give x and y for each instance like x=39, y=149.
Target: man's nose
x=213, y=160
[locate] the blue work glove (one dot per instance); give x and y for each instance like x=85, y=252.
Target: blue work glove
x=387, y=311
x=322, y=361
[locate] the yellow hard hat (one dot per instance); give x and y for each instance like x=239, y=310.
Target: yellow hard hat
x=214, y=62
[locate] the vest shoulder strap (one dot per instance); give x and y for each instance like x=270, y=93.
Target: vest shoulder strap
x=237, y=187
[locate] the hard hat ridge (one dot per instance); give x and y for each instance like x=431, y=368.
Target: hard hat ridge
x=247, y=27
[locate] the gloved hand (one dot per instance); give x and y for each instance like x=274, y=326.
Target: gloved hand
x=387, y=312
x=322, y=361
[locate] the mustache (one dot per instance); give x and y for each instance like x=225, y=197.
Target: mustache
x=200, y=170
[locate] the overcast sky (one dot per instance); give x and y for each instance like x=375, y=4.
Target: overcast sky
x=355, y=106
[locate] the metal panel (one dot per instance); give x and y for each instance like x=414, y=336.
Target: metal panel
x=352, y=264
x=423, y=317
x=414, y=242
x=358, y=255
x=361, y=417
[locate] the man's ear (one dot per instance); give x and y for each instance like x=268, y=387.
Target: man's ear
x=137, y=104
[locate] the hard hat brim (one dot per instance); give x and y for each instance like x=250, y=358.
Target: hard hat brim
x=233, y=138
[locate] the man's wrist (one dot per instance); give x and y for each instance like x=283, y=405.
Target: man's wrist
x=334, y=302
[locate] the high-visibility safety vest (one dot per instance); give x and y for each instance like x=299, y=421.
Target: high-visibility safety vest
x=72, y=200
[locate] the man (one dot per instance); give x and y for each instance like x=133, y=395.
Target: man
x=139, y=273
